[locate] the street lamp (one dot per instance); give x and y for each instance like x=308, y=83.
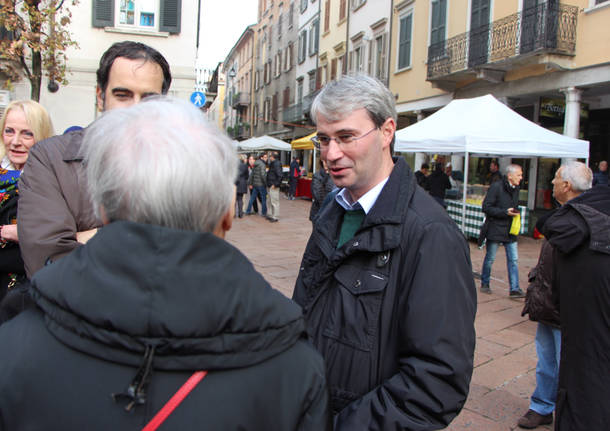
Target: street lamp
x=232, y=75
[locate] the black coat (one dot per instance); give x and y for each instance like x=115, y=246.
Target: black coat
x=274, y=176
x=321, y=185
x=499, y=198
x=192, y=297
x=580, y=234
x=438, y=184
x=422, y=180
x=242, y=178
x=392, y=310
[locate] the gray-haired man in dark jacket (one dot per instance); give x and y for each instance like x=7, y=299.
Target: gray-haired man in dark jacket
x=385, y=282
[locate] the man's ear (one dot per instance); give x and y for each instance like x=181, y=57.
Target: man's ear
x=225, y=223
x=99, y=96
x=387, y=131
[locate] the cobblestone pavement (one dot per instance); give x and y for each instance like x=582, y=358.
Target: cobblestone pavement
x=505, y=357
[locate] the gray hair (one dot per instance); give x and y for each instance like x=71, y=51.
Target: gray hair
x=513, y=168
x=578, y=175
x=160, y=162
x=341, y=97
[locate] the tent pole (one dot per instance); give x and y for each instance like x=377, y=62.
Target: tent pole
x=466, y=161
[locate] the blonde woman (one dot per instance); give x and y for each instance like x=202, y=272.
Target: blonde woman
x=24, y=123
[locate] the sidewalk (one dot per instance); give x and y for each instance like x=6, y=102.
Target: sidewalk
x=505, y=357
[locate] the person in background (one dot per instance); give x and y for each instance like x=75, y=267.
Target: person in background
x=24, y=123
x=157, y=298
x=578, y=232
x=571, y=180
x=251, y=162
x=422, y=176
x=500, y=205
x=55, y=214
x=601, y=176
x=293, y=178
x=274, y=181
x=494, y=173
x=321, y=185
x=385, y=281
x=438, y=184
x=258, y=185
x=241, y=185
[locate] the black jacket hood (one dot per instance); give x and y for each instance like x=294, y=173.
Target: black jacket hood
x=584, y=218
x=193, y=297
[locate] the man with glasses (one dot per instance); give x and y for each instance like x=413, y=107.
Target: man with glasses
x=386, y=282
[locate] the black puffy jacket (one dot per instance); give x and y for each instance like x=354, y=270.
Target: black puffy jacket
x=274, y=176
x=499, y=198
x=580, y=233
x=188, y=302
x=392, y=310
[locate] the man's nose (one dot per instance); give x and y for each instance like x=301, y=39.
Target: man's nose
x=334, y=150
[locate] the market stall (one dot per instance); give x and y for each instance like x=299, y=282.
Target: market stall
x=306, y=144
x=262, y=143
x=483, y=126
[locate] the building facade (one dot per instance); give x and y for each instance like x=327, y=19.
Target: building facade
x=170, y=26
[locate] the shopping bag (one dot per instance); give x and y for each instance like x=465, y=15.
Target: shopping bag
x=515, y=226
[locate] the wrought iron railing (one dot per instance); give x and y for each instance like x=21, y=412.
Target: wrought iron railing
x=544, y=28
x=293, y=113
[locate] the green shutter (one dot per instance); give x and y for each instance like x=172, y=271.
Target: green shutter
x=103, y=13
x=171, y=11
x=404, y=48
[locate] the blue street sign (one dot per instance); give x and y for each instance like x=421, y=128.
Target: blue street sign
x=198, y=98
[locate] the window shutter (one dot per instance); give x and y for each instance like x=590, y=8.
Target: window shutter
x=171, y=12
x=103, y=13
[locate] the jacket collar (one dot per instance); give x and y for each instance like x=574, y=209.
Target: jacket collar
x=74, y=140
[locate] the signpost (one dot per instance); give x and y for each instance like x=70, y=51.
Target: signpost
x=198, y=98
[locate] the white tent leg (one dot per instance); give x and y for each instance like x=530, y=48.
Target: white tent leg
x=466, y=161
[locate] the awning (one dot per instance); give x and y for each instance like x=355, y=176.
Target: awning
x=304, y=143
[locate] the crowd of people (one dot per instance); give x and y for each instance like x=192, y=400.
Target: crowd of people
x=120, y=292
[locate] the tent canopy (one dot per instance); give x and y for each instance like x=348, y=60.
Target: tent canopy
x=483, y=125
x=303, y=143
x=263, y=143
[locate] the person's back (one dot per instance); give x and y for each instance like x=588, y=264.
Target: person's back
x=122, y=322
x=258, y=178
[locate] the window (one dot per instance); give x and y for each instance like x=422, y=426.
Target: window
x=326, y=16
x=600, y=1
x=302, y=46
x=438, y=23
x=312, y=81
x=356, y=60
x=256, y=80
x=268, y=74
x=404, y=40
x=278, y=64
x=300, y=89
x=290, y=15
x=303, y=6
x=314, y=36
x=279, y=27
x=286, y=102
x=270, y=35
x=266, y=110
x=288, y=58
x=342, y=9
x=153, y=15
x=357, y=3
x=333, y=69
x=274, y=106
x=380, y=56
x=255, y=115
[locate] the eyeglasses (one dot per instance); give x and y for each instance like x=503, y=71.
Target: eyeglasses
x=322, y=142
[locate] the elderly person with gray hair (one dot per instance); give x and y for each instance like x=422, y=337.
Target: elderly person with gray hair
x=579, y=234
x=500, y=207
x=157, y=300
x=385, y=282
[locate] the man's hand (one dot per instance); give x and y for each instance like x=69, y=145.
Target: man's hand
x=512, y=212
x=85, y=236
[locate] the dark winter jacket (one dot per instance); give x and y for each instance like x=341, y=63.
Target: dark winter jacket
x=184, y=300
x=499, y=198
x=600, y=178
x=438, y=184
x=321, y=185
x=422, y=180
x=274, y=176
x=391, y=310
x=580, y=234
x=242, y=178
x=258, y=175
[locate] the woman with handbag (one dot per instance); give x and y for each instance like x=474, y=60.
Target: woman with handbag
x=24, y=123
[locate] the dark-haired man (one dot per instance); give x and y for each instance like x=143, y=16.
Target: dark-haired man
x=55, y=215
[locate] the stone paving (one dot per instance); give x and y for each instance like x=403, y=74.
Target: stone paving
x=505, y=356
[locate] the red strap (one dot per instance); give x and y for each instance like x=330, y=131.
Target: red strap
x=174, y=401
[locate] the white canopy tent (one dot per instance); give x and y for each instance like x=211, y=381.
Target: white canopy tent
x=263, y=143
x=483, y=126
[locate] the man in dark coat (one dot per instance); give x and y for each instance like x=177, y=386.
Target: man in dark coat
x=422, y=176
x=157, y=295
x=241, y=185
x=438, y=184
x=258, y=184
x=578, y=232
x=385, y=282
x=601, y=176
x=274, y=180
x=500, y=206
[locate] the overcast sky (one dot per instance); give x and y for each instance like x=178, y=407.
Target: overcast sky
x=222, y=22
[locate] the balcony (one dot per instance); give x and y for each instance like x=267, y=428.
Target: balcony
x=544, y=34
x=293, y=113
x=239, y=132
x=241, y=101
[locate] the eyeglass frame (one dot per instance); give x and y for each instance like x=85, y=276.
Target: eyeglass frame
x=316, y=139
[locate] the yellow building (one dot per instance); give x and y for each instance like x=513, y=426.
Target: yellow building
x=548, y=60
x=333, y=34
